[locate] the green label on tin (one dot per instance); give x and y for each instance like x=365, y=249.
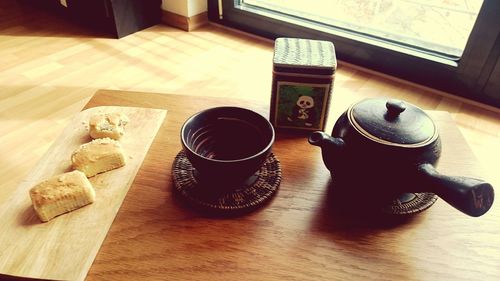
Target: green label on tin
x=300, y=105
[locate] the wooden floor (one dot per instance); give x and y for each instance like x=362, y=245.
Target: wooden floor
x=50, y=67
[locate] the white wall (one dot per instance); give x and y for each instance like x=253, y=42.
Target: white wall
x=179, y=7
x=187, y=8
x=196, y=7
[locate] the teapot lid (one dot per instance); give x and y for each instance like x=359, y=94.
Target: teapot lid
x=392, y=122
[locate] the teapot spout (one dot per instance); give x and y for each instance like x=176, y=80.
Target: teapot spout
x=325, y=141
x=331, y=148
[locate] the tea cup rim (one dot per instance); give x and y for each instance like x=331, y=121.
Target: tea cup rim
x=266, y=149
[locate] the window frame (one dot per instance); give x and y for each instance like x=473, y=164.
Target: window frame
x=466, y=77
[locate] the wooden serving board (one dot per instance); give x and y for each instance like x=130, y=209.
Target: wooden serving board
x=65, y=247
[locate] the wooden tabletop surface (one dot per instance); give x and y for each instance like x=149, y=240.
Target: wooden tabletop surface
x=296, y=236
x=299, y=234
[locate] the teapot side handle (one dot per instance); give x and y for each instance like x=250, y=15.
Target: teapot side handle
x=472, y=196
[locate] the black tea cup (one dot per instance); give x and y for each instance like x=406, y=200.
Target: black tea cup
x=226, y=145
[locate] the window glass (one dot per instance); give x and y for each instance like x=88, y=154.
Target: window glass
x=440, y=26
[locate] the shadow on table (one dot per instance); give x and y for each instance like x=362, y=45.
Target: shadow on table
x=355, y=214
x=5, y=277
x=208, y=212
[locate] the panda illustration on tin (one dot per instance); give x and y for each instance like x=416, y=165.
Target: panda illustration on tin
x=304, y=111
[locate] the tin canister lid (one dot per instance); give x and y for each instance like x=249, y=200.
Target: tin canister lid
x=305, y=54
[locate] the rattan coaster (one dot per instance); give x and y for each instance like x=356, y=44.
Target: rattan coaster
x=264, y=185
x=411, y=203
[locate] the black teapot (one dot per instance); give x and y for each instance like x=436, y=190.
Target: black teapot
x=387, y=147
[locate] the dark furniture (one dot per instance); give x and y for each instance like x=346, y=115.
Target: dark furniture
x=118, y=18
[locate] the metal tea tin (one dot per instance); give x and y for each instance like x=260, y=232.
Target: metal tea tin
x=303, y=74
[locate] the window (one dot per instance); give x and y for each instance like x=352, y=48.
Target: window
x=423, y=41
x=436, y=26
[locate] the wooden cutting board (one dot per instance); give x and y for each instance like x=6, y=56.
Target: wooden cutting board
x=65, y=247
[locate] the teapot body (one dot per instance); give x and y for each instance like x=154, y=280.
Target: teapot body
x=380, y=149
x=374, y=168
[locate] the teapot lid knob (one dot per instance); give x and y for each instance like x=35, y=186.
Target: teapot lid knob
x=395, y=107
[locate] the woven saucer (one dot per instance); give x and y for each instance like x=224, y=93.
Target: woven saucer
x=263, y=186
x=410, y=203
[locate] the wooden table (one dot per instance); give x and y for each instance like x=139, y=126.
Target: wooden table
x=298, y=235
